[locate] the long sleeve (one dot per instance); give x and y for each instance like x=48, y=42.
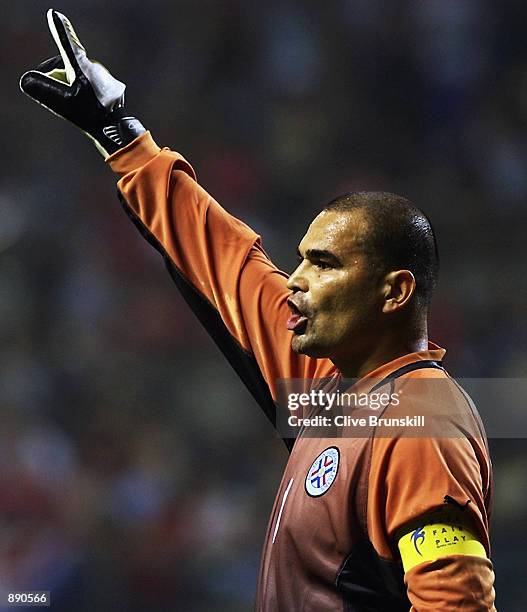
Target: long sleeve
x=455, y=582
x=218, y=264
x=409, y=483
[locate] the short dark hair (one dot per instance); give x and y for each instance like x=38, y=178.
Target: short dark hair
x=399, y=235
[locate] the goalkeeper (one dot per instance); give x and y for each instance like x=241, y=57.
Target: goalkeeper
x=359, y=523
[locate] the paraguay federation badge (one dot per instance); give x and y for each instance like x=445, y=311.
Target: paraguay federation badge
x=322, y=472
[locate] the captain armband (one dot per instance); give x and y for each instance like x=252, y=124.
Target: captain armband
x=438, y=535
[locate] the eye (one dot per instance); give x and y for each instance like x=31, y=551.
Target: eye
x=322, y=265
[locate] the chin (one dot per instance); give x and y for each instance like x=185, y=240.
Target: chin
x=303, y=345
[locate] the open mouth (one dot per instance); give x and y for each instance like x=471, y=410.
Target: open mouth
x=297, y=322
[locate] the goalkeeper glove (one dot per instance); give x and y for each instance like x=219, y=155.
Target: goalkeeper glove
x=81, y=90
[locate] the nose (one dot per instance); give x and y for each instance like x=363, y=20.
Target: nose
x=297, y=281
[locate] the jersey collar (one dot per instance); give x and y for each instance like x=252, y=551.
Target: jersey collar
x=371, y=379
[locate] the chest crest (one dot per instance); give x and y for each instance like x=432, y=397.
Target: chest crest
x=323, y=471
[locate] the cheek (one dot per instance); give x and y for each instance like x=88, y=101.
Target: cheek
x=346, y=309
x=334, y=318
x=342, y=302
x=343, y=295
x=329, y=293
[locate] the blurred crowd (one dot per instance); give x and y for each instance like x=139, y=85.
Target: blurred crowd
x=136, y=472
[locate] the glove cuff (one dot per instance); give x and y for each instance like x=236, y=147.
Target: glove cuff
x=119, y=129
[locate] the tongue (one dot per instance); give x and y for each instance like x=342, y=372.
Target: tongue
x=295, y=320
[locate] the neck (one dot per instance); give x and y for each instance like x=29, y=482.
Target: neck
x=389, y=348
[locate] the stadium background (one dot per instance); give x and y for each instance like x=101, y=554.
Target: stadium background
x=136, y=473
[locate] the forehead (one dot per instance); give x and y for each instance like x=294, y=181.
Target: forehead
x=338, y=232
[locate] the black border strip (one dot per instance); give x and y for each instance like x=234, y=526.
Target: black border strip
x=410, y=367
x=243, y=362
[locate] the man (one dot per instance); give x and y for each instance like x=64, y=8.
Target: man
x=360, y=522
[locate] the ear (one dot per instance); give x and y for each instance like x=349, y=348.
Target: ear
x=398, y=290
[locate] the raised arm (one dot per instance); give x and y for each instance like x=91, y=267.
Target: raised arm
x=217, y=262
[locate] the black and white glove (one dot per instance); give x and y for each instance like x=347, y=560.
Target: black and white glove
x=81, y=90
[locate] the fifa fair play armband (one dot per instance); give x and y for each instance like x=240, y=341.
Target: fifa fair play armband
x=438, y=535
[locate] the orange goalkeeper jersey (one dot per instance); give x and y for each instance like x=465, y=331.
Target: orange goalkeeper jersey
x=344, y=501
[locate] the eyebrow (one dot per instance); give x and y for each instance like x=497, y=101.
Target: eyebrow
x=320, y=254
